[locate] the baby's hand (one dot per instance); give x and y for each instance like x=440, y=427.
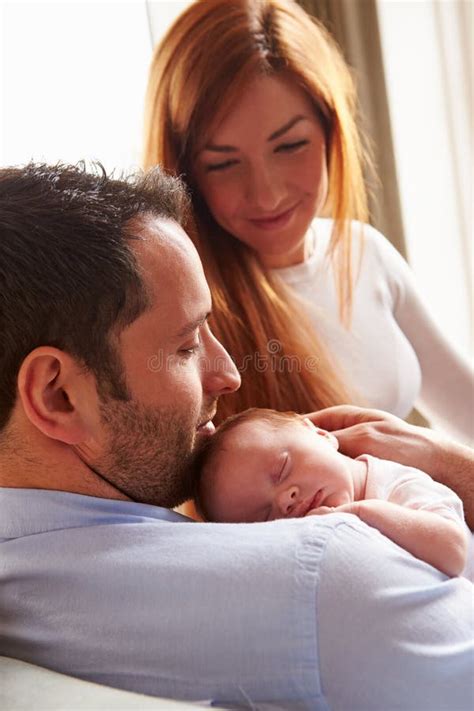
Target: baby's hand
x=352, y=508
x=320, y=511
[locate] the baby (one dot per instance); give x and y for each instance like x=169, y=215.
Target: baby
x=262, y=465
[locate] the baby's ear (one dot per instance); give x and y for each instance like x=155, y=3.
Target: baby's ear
x=331, y=439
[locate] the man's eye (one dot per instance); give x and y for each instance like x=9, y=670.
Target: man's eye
x=290, y=147
x=220, y=166
x=190, y=350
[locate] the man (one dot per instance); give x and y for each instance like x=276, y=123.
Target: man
x=108, y=374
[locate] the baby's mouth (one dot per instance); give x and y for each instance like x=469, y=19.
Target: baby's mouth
x=206, y=428
x=314, y=502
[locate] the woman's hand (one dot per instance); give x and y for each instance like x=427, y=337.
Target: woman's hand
x=363, y=431
x=368, y=431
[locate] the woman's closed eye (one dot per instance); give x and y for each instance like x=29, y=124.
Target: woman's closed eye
x=291, y=147
x=213, y=167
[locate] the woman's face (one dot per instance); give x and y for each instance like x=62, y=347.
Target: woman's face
x=262, y=171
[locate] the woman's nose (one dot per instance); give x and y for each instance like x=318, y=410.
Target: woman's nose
x=287, y=500
x=264, y=191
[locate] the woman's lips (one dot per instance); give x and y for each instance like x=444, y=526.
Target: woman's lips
x=276, y=222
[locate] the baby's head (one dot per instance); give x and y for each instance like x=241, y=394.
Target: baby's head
x=262, y=465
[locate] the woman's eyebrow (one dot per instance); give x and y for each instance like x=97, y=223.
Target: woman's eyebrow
x=273, y=136
x=219, y=149
x=292, y=122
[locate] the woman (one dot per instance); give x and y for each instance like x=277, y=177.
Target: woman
x=252, y=103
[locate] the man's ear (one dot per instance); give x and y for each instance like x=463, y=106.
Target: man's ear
x=51, y=387
x=331, y=439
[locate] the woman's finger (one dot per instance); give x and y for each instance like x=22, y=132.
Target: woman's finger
x=341, y=417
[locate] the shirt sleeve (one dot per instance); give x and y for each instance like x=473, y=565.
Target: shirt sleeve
x=417, y=493
x=394, y=633
x=447, y=391
x=410, y=487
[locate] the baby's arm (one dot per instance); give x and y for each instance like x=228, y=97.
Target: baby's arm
x=439, y=541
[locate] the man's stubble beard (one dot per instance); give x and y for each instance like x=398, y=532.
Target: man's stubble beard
x=148, y=452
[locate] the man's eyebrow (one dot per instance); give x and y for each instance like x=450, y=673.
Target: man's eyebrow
x=191, y=327
x=276, y=134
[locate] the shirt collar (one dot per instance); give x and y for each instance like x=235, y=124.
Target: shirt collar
x=25, y=512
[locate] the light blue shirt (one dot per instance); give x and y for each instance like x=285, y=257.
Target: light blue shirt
x=315, y=613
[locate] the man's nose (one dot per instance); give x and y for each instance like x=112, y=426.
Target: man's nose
x=287, y=499
x=221, y=376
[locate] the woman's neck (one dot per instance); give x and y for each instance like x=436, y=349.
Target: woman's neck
x=300, y=254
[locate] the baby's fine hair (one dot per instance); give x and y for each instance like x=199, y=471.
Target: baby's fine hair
x=207, y=452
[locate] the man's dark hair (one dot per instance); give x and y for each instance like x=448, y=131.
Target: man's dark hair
x=68, y=277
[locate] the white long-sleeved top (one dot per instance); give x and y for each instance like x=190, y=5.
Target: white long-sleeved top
x=393, y=354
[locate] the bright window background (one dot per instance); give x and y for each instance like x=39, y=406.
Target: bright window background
x=73, y=81
x=162, y=13
x=427, y=50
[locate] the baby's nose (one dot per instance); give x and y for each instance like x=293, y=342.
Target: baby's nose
x=287, y=500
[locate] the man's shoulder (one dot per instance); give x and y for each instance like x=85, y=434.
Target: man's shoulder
x=148, y=539
x=141, y=552
x=28, y=512
x=224, y=611
x=206, y=607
